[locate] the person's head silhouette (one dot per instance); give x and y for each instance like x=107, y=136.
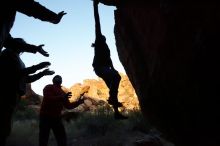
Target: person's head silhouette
x=99, y=40
x=102, y=38
x=57, y=79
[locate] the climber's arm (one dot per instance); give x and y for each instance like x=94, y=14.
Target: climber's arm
x=97, y=20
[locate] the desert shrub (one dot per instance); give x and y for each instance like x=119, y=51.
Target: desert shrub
x=95, y=129
x=102, y=123
x=137, y=122
x=22, y=112
x=24, y=133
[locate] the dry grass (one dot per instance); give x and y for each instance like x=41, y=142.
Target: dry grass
x=88, y=129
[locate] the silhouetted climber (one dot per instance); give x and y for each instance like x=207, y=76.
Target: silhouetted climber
x=110, y=2
x=54, y=101
x=8, y=9
x=103, y=66
x=14, y=76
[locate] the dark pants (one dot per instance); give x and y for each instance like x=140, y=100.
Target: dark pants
x=112, y=79
x=46, y=124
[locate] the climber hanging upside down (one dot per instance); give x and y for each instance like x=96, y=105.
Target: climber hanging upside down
x=103, y=66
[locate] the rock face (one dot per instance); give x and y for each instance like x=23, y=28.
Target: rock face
x=32, y=97
x=98, y=94
x=170, y=53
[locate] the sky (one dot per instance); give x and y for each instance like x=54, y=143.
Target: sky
x=69, y=42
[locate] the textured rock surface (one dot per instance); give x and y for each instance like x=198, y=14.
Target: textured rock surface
x=170, y=53
x=32, y=97
x=98, y=94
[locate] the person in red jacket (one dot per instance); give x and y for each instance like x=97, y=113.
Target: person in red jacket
x=54, y=101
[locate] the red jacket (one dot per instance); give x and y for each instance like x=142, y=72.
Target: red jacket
x=54, y=102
